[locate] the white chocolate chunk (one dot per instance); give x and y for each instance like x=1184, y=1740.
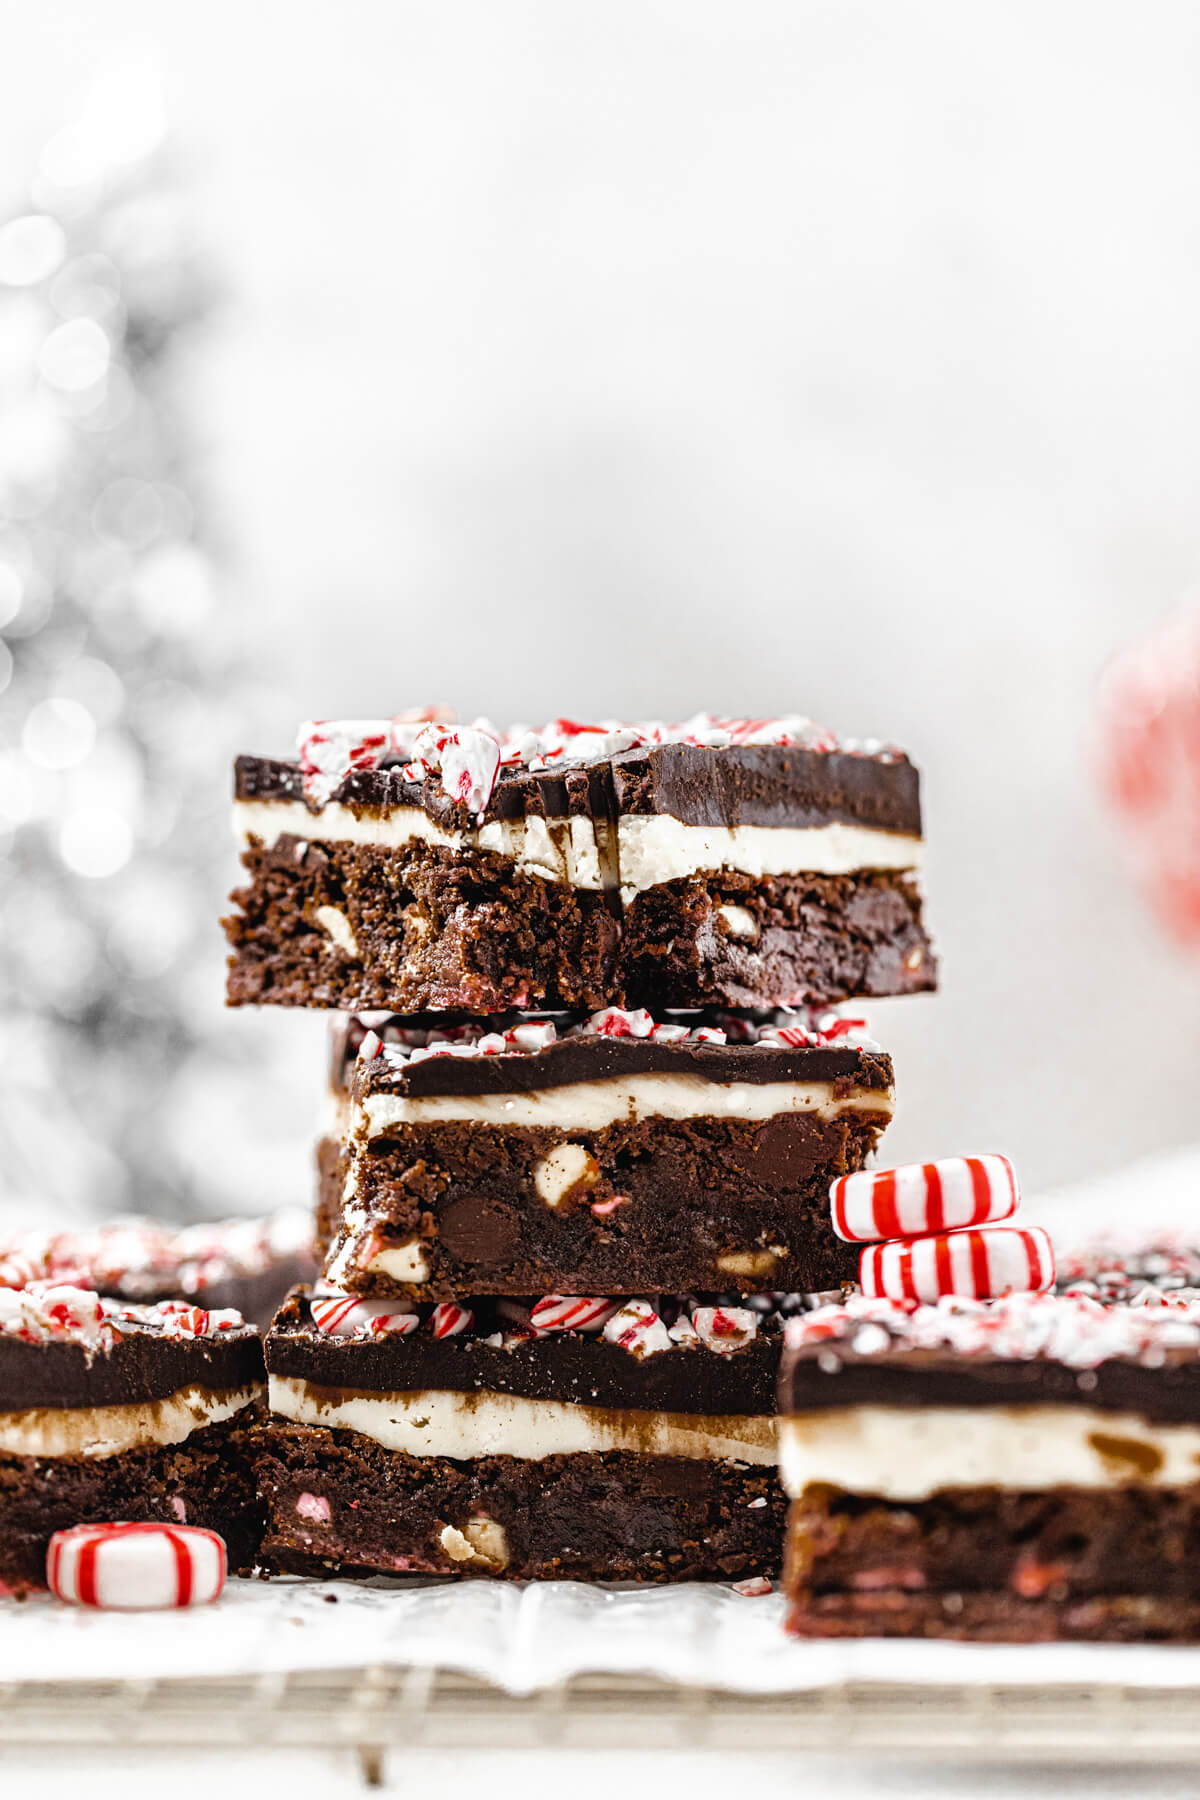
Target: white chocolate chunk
x=751, y=1263
x=403, y=1262
x=339, y=928
x=740, y=921
x=565, y=1167
x=488, y=1540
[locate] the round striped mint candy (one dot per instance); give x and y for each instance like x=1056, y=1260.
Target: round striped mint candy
x=980, y=1265
x=135, y=1568
x=921, y=1197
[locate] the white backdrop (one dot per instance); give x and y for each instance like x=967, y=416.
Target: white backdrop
x=638, y=358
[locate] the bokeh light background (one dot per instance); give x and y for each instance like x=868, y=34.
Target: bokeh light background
x=628, y=361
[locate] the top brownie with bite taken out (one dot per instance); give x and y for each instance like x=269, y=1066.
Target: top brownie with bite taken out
x=412, y=865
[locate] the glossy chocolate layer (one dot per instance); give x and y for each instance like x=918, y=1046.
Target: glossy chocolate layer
x=766, y=785
x=588, y=1059
x=1169, y=1394
x=141, y=1366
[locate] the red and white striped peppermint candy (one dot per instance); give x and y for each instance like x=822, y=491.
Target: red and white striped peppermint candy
x=467, y=757
x=919, y=1197
x=725, y=1328
x=980, y=1265
x=331, y=749
x=1149, y=751
x=615, y=1021
x=135, y=1568
x=636, y=1327
x=348, y=1315
x=448, y=1320
x=566, y=1312
x=538, y=1035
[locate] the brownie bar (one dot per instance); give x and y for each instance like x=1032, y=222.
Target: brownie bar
x=469, y=1439
x=553, y=1158
x=677, y=866
x=247, y=1265
x=122, y=1412
x=1023, y=1468
x=337, y=1503
x=989, y=1564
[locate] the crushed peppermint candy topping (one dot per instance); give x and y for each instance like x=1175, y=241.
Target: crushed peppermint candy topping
x=724, y=1328
x=1074, y=1328
x=136, y=1257
x=346, y=1315
x=559, y=1312
x=450, y=1320
x=641, y=1325
x=467, y=759
x=402, y=1044
x=637, y=1327
x=54, y=1312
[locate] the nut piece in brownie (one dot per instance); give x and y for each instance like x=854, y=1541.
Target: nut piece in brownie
x=249, y=1265
x=609, y=1154
x=134, y=1413
x=417, y=866
x=581, y=1438
x=1025, y=1468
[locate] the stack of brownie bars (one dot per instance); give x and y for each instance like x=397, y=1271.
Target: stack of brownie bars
x=575, y=1225
x=587, y=1099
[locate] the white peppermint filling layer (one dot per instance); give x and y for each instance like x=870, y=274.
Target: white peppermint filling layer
x=465, y=1426
x=591, y=1105
x=100, y=1431
x=910, y=1453
x=563, y=850
x=653, y=847
x=650, y=848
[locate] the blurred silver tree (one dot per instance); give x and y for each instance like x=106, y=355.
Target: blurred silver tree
x=117, y=690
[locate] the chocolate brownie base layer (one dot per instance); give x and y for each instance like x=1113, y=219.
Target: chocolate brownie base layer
x=985, y=1563
x=723, y=938
x=338, y=1502
x=425, y=928
x=422, y=928
x=207, y=1480
x=703, y=1204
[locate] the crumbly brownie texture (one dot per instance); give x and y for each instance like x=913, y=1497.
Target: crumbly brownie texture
x=337, y=1502
x=987, y=1563
x=642, y=1202
x=247, y=1265
x=799, y=940
x=207, y=1480
x=464, y=922
x=430, y=929
x=704, y=1203
x=425, y=929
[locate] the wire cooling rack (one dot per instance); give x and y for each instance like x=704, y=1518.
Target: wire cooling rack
x=374, y=1710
